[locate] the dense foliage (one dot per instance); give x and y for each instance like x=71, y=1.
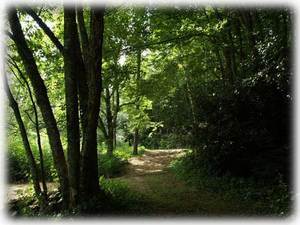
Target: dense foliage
x=214, y=80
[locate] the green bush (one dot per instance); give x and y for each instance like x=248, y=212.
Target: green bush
x=18, y=166
x=269, y=198
x=19, y=169
x=119, y=193
x=123, y=151
x=110, y=166
x=247, y=130
x=166, y=140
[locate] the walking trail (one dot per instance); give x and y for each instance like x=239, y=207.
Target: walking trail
x=167, y=195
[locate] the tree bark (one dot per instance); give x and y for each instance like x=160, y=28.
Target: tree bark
x=109, y=120
x=83, y=68
x=83, y=35
x=71, y=40
x=138, y=77
x=247, y=21
x=43, y=102
x=115, y=116
x=232, y=52
x=135, y=141
x=89, y=160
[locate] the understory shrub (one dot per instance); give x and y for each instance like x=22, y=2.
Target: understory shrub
x=268, y=198
x=120, y=194
x=110, y=166
x=247, y=131
x=167, y=141
x=18, y=166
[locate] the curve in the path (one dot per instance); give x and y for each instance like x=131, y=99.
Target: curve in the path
x=152, y=161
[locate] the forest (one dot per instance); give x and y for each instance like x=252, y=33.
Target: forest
x=138, y=111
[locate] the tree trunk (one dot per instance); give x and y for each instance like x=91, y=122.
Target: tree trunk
x=114, y=134
x=135, y=141
x=241, y=57
x=102, y=128
x=109, y=120
x=83, y=69
x=115, y=116
x=71, y=40
x=33, y=167
x=213, y=39
x=89, y=160
x=247, y=21
x=42, y=99
x=45, y=28
x=138, y=77
x=37, y=128
x=233, y=66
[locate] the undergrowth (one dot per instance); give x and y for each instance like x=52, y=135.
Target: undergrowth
x=113, y=166
x=271, y=199
x=121, y=196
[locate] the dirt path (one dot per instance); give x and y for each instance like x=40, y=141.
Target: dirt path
x=152, y=162
x=149, y=176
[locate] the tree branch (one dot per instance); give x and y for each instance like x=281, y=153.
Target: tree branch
x=45, y=28
x=29, y=117
x=83, y=34
x=177, y=38
x=128, y=103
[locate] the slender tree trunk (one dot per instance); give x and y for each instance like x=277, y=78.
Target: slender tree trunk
x=213, y=39
x=191, y=100
x=114, y=135
x=241, y=57
x=84, y=40
x=103, y=128
x=89, y=160
x=42, y=99
x=135, y=141
x=43, y=176
x=115, y=117
x=189, y=93
x=83, y=69
x=232, y=53
x=136, y=130
x=109, y=120
x=228, y=50
x=46, y=29
x=33, y=167
x=247, y=20
x=37, y=128
x=71, y=40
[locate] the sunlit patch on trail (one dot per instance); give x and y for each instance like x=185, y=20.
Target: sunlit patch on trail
x=153, y=161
